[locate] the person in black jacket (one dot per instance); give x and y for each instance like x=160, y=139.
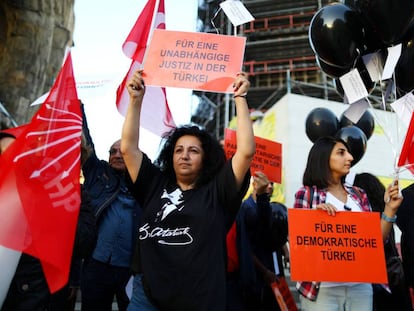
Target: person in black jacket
x=267, y=231
x=85, y=241
x=383, y=300
x=405, y=222
x=106, y=272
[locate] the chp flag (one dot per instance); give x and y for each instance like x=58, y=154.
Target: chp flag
x=40, y=183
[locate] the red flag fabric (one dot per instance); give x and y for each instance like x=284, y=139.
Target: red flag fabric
x=39, y=182
x=12, y=132
x=407, y=151
x=156, y=115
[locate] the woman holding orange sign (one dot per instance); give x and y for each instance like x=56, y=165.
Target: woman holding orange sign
x=324, y=188
x=189, y=198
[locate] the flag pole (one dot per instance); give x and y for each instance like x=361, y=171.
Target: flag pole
x=4, y=111
x=153, y=20
x=9, y=259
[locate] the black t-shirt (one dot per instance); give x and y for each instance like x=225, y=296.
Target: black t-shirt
x=182, y=238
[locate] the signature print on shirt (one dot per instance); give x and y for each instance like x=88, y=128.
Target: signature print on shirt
x=173, y=201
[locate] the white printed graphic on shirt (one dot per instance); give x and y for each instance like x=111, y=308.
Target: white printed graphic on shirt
x=174, y=201
x=178, y=236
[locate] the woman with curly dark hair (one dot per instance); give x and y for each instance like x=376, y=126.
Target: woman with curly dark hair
x=213, y=160
x=188, y=196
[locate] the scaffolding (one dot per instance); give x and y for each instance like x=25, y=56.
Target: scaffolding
x=277, y=50
x=278, y=57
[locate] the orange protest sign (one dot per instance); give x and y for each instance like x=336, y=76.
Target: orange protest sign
x=199, y=61
x=347, y=247
x=267, y=159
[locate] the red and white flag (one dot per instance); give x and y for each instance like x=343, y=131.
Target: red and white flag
x=406, y=158
x=39, y=182
x=156, y=116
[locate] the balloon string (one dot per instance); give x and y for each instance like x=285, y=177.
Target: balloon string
x=357, y=58
x=397, y=127
x=213, y=18
x=383, y=100
x=394, y=140
x=389, y=138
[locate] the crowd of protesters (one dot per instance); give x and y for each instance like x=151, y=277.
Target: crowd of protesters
x=182, y=229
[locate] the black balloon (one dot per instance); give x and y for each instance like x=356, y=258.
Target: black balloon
x=336, y=35
x=404, y=71
x=366, y=123
x=372, y=40
x=332, y=70
x=387, y=19
x=321, y=122
x=355, y=139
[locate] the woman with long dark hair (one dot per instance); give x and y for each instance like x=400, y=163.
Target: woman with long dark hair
x=324, y=188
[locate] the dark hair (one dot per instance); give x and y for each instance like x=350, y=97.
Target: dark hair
x=5, y=134
x=317, y=172
x=374, y=188
x=213, y=159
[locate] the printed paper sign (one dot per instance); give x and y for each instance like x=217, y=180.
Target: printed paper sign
x=267, y=159
x=353, y=86
x=236, y=12
x=394, y=53
x=356, y=110
x=347, y=247
x=195, y=60
x=374, y=64
x=404, y=108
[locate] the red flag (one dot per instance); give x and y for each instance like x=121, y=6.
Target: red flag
x=407, y=151
x=39, y=182
x=12, y=132
x=155, y=115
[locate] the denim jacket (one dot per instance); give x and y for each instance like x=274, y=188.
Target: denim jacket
x=107, y=188
x=102, y=182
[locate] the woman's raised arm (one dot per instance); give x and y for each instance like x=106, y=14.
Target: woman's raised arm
x=244, y=134
x=131, y=153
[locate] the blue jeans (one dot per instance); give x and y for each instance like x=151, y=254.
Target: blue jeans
x=100, y=282
x=139, y=301
x=341, y=298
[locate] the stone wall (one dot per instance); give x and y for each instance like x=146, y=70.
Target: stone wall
x=34, y=35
